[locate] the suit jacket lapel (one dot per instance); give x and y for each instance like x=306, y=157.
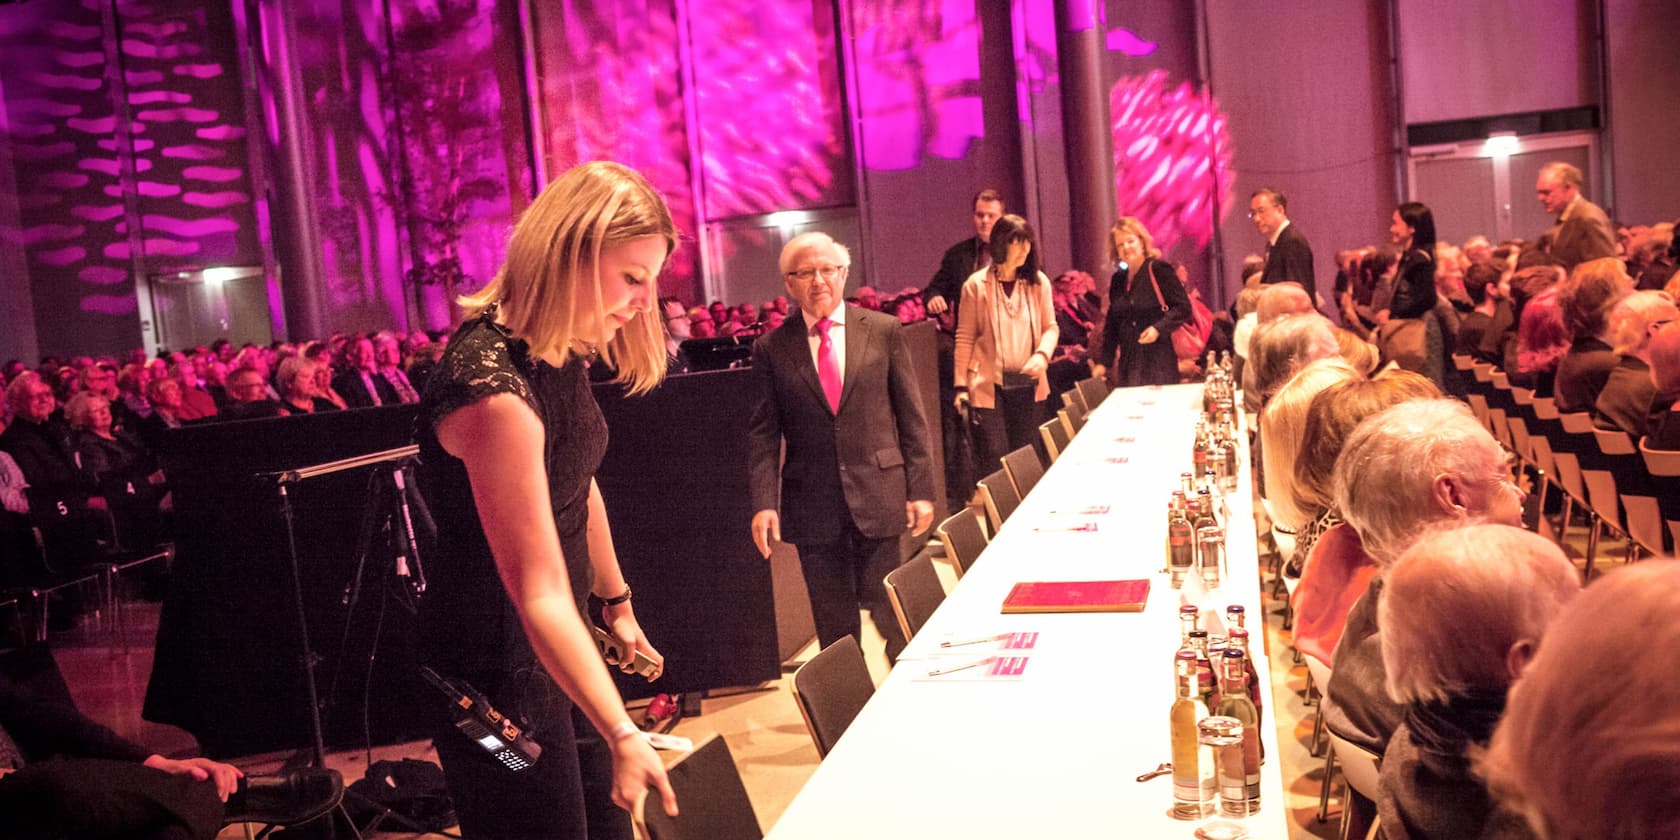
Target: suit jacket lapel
x=797, y=349
x=858, y=337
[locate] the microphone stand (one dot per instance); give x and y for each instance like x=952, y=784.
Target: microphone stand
x=283, y=480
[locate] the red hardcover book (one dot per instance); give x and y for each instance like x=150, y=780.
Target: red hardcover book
x=1077, y=596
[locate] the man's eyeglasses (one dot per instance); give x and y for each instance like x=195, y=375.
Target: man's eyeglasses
x=827, y=272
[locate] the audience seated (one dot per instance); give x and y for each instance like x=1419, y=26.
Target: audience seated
x=248, y=397
x=1586, y=749
x=1627, y=400
x=1486, y=285
x=1665, y=377
x=1542, y=339
x=1416, y=465
x=300, y=387
x=1281, y=425
x=1281, y=347
x=1587, y=298
x=1463, y=611
x=165, y=398
x=1333, y=567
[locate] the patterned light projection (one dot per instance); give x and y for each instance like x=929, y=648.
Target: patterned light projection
x=918, y=81
x=182, y=195
x=767, y=95
x=1172, y=158
x=610, y=88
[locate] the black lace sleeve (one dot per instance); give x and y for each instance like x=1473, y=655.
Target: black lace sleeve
x=482, y=360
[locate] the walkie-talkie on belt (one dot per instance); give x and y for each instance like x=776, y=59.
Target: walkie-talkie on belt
x=490, y=729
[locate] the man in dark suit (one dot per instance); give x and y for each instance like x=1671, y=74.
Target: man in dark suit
x=836, y=385
x=360, y=383
x=1288, y=256
x=942, y=296
x=944, y=291
x=1583, y=232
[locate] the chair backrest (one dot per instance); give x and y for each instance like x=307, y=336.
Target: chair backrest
x=915, y=592
x=1055, y=436
x=999, y=495
x=1094, y=391
x=1066, y=420
x=964, y=539
x=831, y=688
x=1613, y=441
x=1523, y=396
x=1024, y=469
x=1359, y=765
x=1483, y=371
x=714, y=802
x=1076, y=417
x=1463, y=361
x=1075, y=399
x=1663, y=462
x=1577, y=422
x=1545, y=408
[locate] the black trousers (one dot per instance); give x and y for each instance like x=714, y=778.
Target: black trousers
x=96, y=798
x=843, y=575
x=566, y=796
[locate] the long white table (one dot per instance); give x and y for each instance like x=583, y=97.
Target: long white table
x=1055, y=752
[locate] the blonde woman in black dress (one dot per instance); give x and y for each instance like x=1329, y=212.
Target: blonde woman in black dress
x=510, y=438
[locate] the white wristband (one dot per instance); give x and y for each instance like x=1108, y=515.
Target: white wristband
x=621, y=730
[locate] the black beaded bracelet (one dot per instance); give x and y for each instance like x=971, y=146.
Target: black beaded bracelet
x=618, y=599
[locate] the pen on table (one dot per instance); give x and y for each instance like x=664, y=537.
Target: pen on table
x=1081, y=527
x=955, y=668
x=994, y=638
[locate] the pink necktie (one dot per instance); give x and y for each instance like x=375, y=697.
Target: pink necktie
x=828, y=367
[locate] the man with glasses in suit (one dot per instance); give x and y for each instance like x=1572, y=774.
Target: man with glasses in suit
x=837, y=387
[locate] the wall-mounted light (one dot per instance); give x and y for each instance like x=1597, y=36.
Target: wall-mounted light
x=1502, y=144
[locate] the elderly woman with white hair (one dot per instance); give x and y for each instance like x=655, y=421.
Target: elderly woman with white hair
x=1589, y=746
x=1419, y=465
x=1626, y=401
x=1281, y=347
x=1464, y=611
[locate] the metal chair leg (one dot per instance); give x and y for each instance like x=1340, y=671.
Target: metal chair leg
x=1593, y=524
x=1324, y=789
x=1563, y=524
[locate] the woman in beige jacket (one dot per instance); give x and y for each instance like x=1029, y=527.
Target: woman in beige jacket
x=1006, y=333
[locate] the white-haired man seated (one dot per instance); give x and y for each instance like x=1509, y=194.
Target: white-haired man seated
x=1462, y=613
x=1590, y=743
x=1415, y=467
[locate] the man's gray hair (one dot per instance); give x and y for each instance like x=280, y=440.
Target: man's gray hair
x=812, y=239
x=1385, y=476
x=1457, y=601
x=1566, y=173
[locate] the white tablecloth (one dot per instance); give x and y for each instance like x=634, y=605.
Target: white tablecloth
x=1055, y=752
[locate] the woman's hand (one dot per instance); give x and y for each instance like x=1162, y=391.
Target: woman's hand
x=636, y=767
x=622, y=624
x=1036, y=365
x=1148, y=336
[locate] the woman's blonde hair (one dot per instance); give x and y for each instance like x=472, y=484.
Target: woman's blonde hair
x=1130, y=224
x=79, y=410
x=543, y=288
x=1282, y=422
